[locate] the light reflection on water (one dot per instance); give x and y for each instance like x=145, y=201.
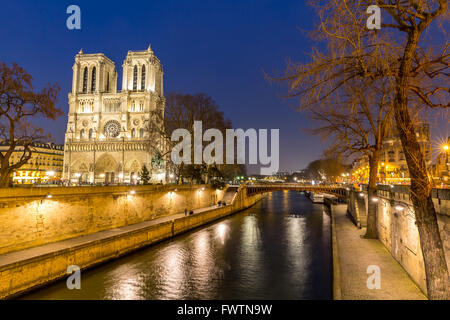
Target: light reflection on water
x=261, y=253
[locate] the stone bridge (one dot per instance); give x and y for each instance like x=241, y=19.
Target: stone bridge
x=336, y=190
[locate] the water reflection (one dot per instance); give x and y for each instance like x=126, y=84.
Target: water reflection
x=264, y=252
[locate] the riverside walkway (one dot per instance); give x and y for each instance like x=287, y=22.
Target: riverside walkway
x=355, y=254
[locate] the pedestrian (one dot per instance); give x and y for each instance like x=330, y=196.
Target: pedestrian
x=185, y=212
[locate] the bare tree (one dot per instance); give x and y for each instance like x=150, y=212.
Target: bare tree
x=357, y=121
x=181, y=111
x=19, y=105
x=419, y=73
x=425, y=74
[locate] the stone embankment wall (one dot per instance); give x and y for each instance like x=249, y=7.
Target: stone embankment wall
x=21, y=271
x=35, y=216
x=397, y=229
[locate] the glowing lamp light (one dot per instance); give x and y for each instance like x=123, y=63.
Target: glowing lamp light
x=171, y=176
x=49, y=196
x=375, y=199
x=50, y=173
x=446, y=147
x=203, y=188
x=361, y=194
x=102, y=175
x=120, y=175
x=132, y=192
x=399, y=208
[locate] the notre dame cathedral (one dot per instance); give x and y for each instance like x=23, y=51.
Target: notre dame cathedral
x=108, y=138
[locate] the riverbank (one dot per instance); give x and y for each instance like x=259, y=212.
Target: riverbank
x=24, y=270
x=353, y=255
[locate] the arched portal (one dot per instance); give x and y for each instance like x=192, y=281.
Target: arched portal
x=106, y=169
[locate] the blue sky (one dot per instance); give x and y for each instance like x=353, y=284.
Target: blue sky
x=220, y=48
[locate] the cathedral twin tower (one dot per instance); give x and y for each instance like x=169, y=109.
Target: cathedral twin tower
x=108, y=131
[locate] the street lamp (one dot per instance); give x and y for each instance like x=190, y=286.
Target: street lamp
x=50, y=173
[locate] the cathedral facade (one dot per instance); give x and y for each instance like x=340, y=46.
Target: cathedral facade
x=108, y=136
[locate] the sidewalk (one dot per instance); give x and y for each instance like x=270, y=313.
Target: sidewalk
x=356, y=254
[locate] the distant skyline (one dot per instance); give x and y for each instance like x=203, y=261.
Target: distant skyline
x=221, y=49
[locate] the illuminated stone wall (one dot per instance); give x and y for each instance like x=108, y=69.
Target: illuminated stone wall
x=397, y=229
x=20, y=273
x=29, y=217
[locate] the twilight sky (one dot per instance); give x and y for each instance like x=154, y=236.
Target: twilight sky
x=220, y=48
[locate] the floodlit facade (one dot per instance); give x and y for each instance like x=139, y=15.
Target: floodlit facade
x=392, y=166
x=44, y=166
x=107, y=138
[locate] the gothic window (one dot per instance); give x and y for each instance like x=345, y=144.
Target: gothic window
x=135, y=75
x=112, y=128
x=107, y=82
x=143, y=78
x=93, y=80
x=91, y=133
x=141, y=133
x=82, y=134
x=85, y=79
x=133, y=133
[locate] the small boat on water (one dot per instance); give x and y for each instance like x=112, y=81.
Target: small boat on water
x=317, y=197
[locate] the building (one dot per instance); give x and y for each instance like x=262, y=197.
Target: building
x=44, y=166
x=108, y=131
x=392, y=166
x=441, y=170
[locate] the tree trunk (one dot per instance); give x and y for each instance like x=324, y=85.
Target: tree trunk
x=4, y=178
x=371, y=231
x=180, y=174
x=436, y=269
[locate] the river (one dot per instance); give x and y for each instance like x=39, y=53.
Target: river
x=278, y=249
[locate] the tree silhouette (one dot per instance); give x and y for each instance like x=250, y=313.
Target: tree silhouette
x=19, y=106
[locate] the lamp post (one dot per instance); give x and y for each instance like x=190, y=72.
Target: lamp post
x=446, y=148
